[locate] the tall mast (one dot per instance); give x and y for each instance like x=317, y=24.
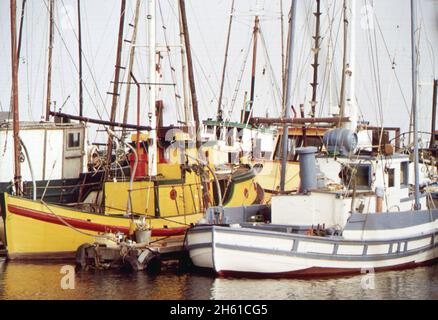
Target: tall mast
x=434, y=106
x=49, y=65
x=131, y=64
x=16, y=118
x=344, y=61
x=285, y=138
x=253, y=70
x=219, y=106
x=315, y=63
x=182, y=9
x=348, y=96
x=186, y=95
x=115, y=92
x=152, y=152
x=283, y=74
x=417, y=205
x=23, y=6
x=81, y=90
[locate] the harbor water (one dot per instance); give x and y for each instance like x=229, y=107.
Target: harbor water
x=45, y=281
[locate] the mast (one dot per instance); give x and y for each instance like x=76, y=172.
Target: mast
x=49, y=65
x=182, y=9
x=81, y=95
x=417, y=205
x=348, y=95
x=16, y=118
x=253, y=70
x=131, y=63
x=315, y=63
x=283, y=75
x=219, y=106
x=285, y=138
x=186, y=95
x=115, y=92
x=23, y=6
x=152, y=151
x=434, y=106
x=344, y=61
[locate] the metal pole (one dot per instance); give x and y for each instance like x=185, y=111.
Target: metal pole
x=49, y=64
x=315, y=63
x=152, y=152
x=81, y=95
x=16, y=117
x=417, y=205
x=434, y=106
x=289, y=69
x=344, y=61
x=219, y=106
x=283, y=75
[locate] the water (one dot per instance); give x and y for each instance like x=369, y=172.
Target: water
x=43, y=281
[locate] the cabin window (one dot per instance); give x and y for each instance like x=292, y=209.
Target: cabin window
x=210, y=129
x=404, y=174
x=74, y=140
x=362, y=175
x=391, y=177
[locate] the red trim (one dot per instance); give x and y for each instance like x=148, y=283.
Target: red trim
x=88, y=225
x=320, y=272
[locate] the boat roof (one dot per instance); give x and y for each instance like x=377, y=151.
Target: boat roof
x=40, y=125
x=369, y=157
x=239, y=125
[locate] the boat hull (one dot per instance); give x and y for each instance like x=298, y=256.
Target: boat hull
x=235, y=251
x=34, y=230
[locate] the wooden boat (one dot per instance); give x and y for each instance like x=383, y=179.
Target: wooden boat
x=163, y=193
x=168, y=203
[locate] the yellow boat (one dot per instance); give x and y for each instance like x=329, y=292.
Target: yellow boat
x=169, y=202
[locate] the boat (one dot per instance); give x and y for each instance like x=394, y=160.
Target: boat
x=326, y=231
x=368, y=221
x=165, y=187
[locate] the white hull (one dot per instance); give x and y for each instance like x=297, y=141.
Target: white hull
x=244, y=251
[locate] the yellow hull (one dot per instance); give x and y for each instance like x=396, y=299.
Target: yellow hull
x=269, y=177
x=36, y=230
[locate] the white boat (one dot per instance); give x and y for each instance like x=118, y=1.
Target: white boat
x=323, y=231
x=366, y=221
x=367, y=244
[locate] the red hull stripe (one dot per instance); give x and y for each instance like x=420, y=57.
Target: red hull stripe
x=88, y=225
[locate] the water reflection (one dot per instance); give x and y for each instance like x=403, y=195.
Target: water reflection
x=420, y=283
x=43, y=281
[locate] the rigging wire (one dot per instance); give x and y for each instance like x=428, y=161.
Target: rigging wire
x=177, y=95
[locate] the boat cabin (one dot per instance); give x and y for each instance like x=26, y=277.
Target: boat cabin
x=56, y=151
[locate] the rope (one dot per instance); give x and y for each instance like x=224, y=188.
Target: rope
x=74, y=228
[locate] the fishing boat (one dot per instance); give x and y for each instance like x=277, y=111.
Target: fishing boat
x=166, y=186
x=367, y=222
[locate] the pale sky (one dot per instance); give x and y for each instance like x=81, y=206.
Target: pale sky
x=383, y=53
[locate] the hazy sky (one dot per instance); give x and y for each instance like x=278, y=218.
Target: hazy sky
x=382, y=70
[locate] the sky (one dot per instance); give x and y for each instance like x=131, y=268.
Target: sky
x=383, y=57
